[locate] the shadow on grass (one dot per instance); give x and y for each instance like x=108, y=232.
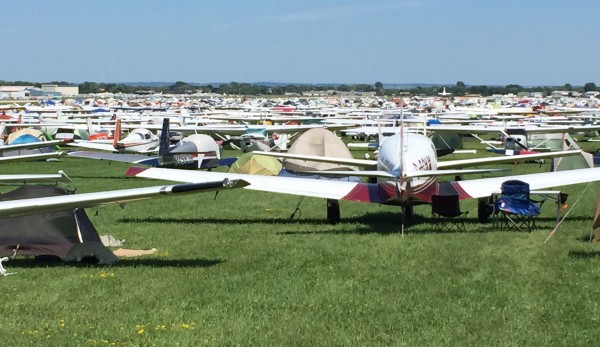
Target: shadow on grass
x=580, y=254
x=212, y=220
x=121, y=177
x=145, y=262
x=383, y=223
x=587, y=238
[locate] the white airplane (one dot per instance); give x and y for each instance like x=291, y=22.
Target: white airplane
x=197, y=151
x=521, y=139
x=138, y=141
x=444, y=93
x=407, y=171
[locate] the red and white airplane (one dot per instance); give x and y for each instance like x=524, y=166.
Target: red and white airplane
x=138, y=141
x=407, y=171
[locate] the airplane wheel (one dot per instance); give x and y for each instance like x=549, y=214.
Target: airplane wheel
x=408, y=212
x=484, y=210
x=333, y=211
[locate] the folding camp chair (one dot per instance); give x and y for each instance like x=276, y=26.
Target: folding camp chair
x=447, y=214
x=516, y=210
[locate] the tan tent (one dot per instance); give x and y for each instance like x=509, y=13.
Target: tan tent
x=319, y=142
x=253, y=164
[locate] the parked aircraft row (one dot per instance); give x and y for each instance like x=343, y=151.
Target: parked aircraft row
x=407, y=166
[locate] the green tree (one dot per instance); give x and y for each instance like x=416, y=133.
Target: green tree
x=590, y=86
x=89, y=88
x=379, y=88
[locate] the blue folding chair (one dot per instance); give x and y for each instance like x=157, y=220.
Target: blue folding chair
x=516, y=209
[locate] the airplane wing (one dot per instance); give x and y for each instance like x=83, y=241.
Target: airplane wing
x=94, y=145
x=503, y=159
x=31, y=145
x=341, y=161
x=327, y=189
x=58, y=203
x=120, y=157
x=441, y=164
x=484, y=187
x=31, y=157
x=59, y=177
x=369, y=192
x=534, y=129
x=237, y=129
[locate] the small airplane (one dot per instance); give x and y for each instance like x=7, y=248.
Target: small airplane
x=444, y=93
x=139, y=140
x=407, y=171
x=521, y=139
x=196, y=151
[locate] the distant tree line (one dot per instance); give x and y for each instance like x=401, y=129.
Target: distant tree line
x=235, y=88
x=34, y=84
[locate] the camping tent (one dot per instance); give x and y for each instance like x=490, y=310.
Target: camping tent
x=254, y=164
x=66, y=234
x=318, y=142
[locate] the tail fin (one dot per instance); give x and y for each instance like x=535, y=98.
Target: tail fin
x=164, y=138
x=19, y=121
x=117, y=135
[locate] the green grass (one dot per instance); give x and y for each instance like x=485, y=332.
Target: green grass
x=237, y=271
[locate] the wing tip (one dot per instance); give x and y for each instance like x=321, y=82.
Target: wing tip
x=134, y=171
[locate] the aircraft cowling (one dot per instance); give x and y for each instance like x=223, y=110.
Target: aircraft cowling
x=198, y=143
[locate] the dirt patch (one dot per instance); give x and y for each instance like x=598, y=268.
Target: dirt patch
x=126, y=253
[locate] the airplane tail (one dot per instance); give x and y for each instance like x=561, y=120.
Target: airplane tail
x=117, y=135
x=164, y=145
x=280, y=141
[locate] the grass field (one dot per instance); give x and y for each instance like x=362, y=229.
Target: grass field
x=236, y=270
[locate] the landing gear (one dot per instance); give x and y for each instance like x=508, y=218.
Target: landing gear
x=333, y=211
x=484, y=210
x=407, y=212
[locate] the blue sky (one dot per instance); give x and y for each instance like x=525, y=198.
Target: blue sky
x=526, y=42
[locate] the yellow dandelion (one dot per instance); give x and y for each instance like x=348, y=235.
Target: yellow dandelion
x=140, y=331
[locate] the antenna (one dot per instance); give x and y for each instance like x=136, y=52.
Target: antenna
x=403, y=184
x=401, y=145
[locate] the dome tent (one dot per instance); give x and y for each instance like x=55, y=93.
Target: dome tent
x=318, y=142
x=256, y=164
x=67, y=234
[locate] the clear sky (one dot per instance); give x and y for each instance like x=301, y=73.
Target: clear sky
x=526, y=42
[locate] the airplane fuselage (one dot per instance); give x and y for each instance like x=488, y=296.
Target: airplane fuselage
x=417, y=153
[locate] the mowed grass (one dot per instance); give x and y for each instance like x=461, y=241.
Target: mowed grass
x=235, y=270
